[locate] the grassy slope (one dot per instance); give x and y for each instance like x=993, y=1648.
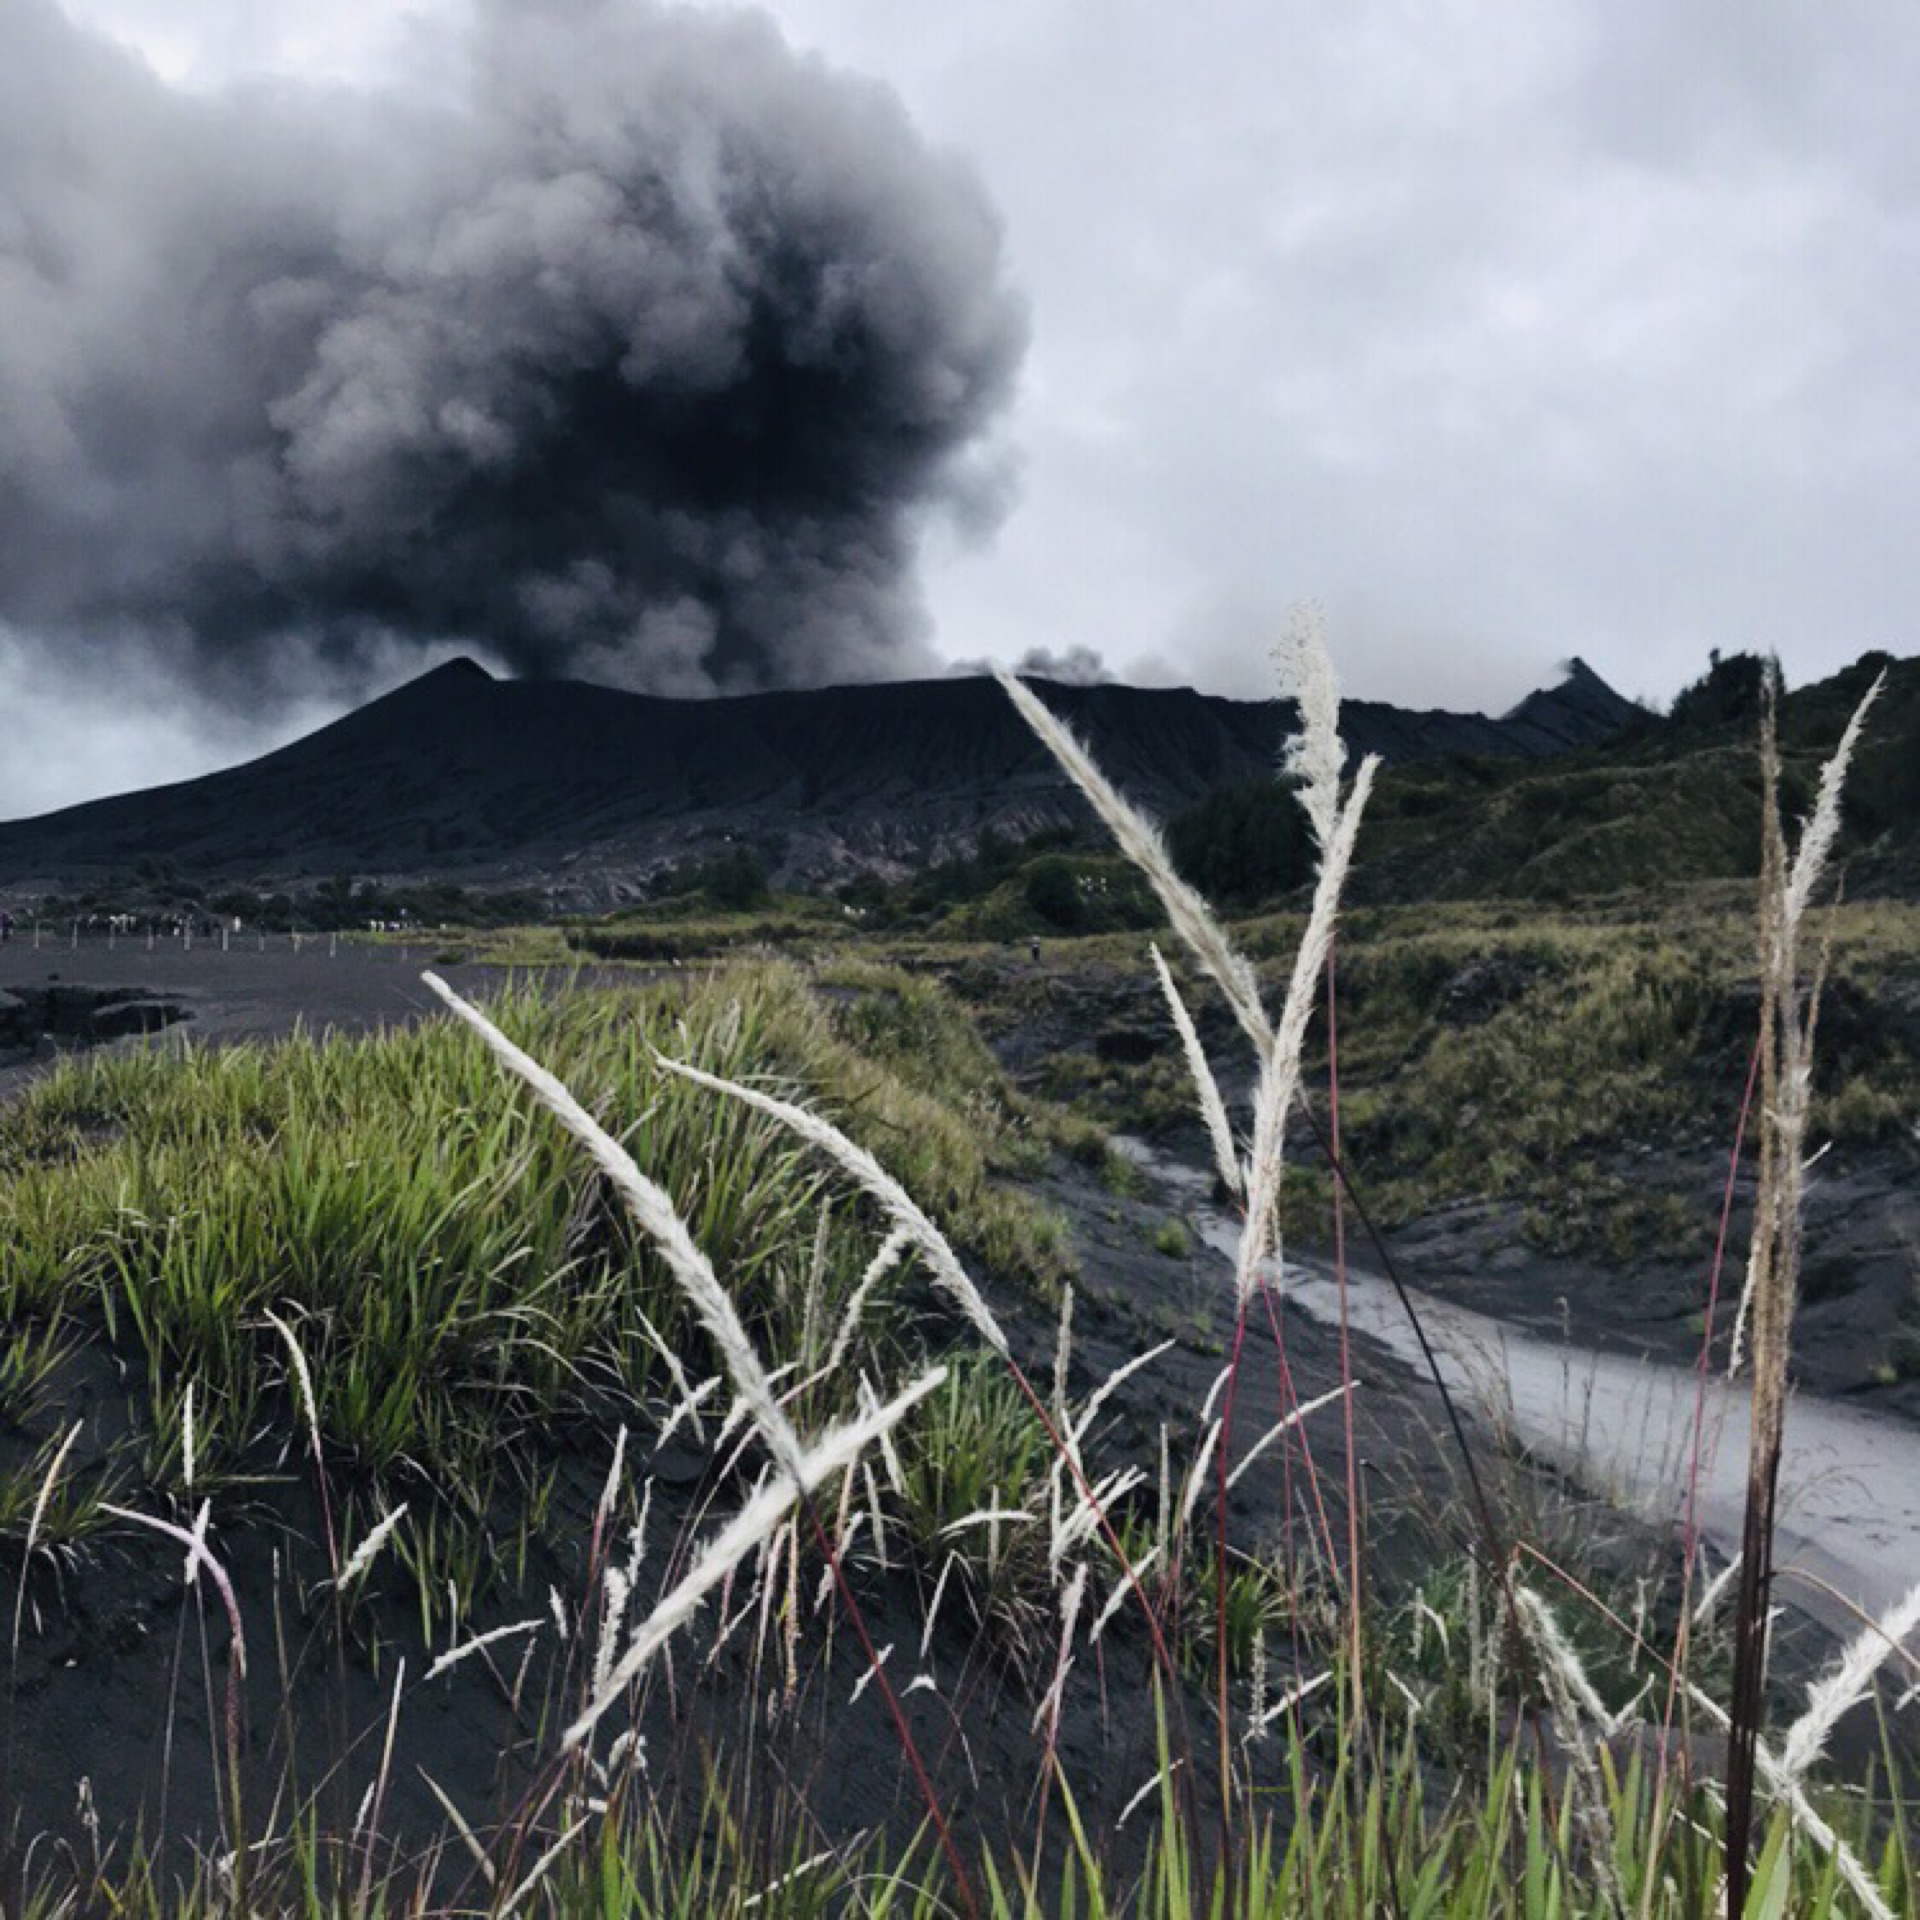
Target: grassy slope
x=458, y=1283
x=1666, y=806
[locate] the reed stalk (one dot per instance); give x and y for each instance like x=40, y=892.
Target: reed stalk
x=1788, y=1015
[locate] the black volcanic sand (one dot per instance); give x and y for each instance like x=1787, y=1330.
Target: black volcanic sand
x=246, y=993
x=1860, y=1267
x=119, y=1675
x=1860, y=1255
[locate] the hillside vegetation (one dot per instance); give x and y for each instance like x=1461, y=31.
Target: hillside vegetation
x=1669, y=803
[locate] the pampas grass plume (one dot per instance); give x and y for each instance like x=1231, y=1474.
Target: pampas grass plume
x=750, y=1528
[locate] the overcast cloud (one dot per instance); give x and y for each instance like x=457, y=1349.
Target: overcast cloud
x=1507, y=333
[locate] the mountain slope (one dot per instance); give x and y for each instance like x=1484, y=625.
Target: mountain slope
x=583, y=790
x=1661, y=803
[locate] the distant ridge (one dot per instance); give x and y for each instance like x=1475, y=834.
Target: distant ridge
x=1576, y=713
x=583, y=790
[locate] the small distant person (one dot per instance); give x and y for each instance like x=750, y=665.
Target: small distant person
x=1036, y=953
x=6, y=926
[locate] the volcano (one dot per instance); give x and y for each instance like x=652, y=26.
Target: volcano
x=581, y=792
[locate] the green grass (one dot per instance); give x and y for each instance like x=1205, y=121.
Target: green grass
x=464, y=1292
x=1532, y=1056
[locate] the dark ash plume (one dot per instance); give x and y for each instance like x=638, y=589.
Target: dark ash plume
x=635, y=357
x=1074, y=666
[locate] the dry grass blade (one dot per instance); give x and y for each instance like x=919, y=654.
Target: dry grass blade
x=1804, y=1815
x=1773, y=1266
x=1845, y=1684
x=899, y=1205
x=654, y=1212
x=1315, y=755
x=40, y=1502
x=755, y=1523
x=1280, y=1062
x=1213, y=1109
x=892, y=1249
x=1139, y=839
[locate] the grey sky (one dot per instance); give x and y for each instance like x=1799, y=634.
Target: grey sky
x=1506, y=332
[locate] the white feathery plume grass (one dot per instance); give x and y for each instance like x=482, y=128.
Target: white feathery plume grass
x=41, y=1501
x=186, y=1438
x=1557, y=1650
x=1788, y=888
x=876, y=1520
x=1110, y=1386
x=196, y=1540
x=1823, y=823
x=1288, y=1701
x=1714, y=1589
x=1846, y=1683
x=1785, y=1058
x=303, y=1379
x=1048, y=1712
x=657, y=1216
x=613, y=1621
x=1787, y=1792
x=882, y=1263
x=870, y=1398
x=687, y=1407
x=1285, y=1424
x=750, y=1528
x=1063, y=1353
x=1153, y=1782
x=671, y=1361
x=1139, y=839
x=895, y=1201
x=933, y=1609
x=990, y=1517
x=1571, y=1693
x=874, y=1665
x=198, y=1556
x=1280, y=1063
x=1423, y=1612
x=479, y=1642
x=362, y=1556
x=1213, y=1109
x=792, y=1874
x=1214, y=1392
x=1314, y=755
x=603, y=1510
x=1197, y=1476
x=1123, y=1591
x=1077, y=1526
x=1737, y=1346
